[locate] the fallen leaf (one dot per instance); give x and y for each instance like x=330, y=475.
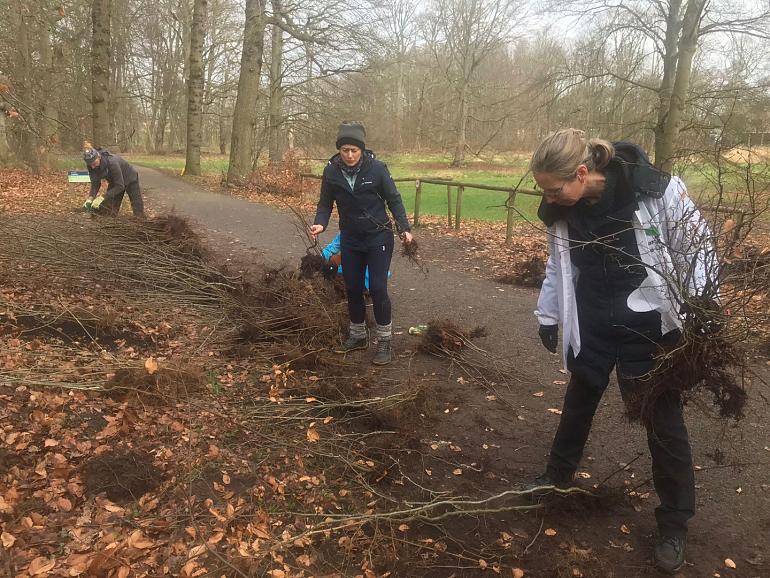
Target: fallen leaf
x=517, y=573
x=403, y=527
x=278, y=574
x=549, y=532
x=539, y=394
x=138, y=540
x=559, y=382
x=312, y=435
x=624, y=529
x=123, y=572
x=40, y=565
x=151, y=365
x=457, y=472
x=7, y=540
x=554, y=410
x=730, y=564
x=483, y=564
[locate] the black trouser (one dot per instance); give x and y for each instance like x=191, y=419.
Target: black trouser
x=112, y=201
x=672, y=470
x=355, y=260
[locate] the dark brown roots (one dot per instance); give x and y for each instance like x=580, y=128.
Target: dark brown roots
x=444, y=336
x=706, y=358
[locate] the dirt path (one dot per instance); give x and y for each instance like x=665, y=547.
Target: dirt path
x=503, y=435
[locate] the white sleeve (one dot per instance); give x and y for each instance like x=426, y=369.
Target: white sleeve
x=547, y=311
x=691, y=245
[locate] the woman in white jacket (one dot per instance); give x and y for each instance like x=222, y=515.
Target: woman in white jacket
x=627, y=249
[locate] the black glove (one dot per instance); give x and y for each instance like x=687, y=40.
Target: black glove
x=549, y=335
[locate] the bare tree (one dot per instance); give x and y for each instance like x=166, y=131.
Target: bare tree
x=468, y=32
x=195, y=89
x=242, y=142
x=276, y=140
x=100, y=71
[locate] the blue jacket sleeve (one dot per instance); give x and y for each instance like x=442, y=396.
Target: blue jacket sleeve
x=325, y=204
x=393, y=199
x=332, y=248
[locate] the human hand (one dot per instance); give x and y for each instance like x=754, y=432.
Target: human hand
x=549, y=335
x=406, y=236
x=97, y=202
x=335, y=260
x=315, y=230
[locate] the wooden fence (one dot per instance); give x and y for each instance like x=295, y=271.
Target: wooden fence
x=456, y=219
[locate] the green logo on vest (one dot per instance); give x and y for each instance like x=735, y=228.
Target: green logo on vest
x=652, y=231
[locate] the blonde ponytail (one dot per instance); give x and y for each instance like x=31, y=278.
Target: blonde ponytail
x=562, y=152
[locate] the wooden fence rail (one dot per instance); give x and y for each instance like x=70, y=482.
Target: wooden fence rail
x=461, y=187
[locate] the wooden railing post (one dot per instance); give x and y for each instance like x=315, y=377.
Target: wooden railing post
x=509, y=221
x=449, y=205
x=417, y=197
x=302, y=189
x=459, y=206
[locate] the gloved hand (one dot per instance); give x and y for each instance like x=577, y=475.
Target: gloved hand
x=97, y=202
x=549, y=335
x=87, y=203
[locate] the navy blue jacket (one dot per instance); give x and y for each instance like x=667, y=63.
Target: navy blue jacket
x=363, y=216
x=115, y=170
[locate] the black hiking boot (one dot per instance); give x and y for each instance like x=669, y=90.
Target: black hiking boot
x=669, y=553
x=543, y=486
x=353, y=344
x=384, y=352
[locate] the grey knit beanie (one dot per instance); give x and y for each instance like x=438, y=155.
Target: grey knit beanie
x=351, y=133
x=90, y=155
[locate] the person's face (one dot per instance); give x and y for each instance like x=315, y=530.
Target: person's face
x=350, y=154
x=560, y=191
x=96, y=162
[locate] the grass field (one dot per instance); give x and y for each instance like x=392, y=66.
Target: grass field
x=501, y=171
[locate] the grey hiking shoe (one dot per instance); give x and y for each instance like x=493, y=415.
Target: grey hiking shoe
x=352, y=344
x=384, y=352
x=669, y=553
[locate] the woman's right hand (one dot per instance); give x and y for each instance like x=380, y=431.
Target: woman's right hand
x=315, y=230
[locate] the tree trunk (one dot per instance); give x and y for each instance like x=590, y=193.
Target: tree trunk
x=462, y=124
x=276, y=140
x=100, y=71
x=242, y=143
x=195, y=89
x=673, y=29
x=688, y=43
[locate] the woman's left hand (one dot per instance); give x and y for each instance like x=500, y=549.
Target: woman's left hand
x=406, y=237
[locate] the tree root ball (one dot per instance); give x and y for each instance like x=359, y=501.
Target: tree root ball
x=444, y=336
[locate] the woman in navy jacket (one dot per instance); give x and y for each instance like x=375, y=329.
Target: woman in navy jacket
x=361, y=186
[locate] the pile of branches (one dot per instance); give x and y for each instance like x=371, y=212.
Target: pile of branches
x=276, y=316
